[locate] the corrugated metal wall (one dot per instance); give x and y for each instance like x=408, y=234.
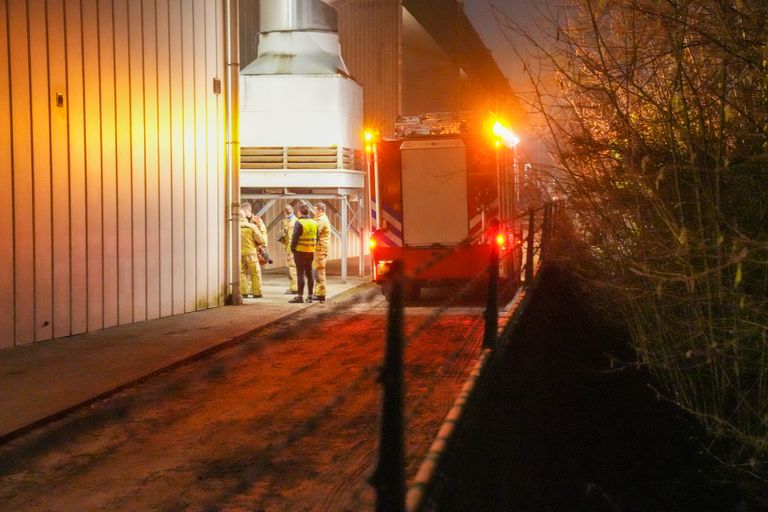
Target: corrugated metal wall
x=370, y=33
x=248, y=12
x=111, y=163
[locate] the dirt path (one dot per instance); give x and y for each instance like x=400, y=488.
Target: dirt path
x=271, y=424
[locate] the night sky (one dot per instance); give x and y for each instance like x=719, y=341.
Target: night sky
x=488, y=18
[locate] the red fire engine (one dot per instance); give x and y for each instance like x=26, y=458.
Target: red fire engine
x=442, y=193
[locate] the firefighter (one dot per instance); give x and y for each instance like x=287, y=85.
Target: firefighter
x=303, y=245
x=321, y=254
x=286, y=235
x=251, y=238
x=256, y=221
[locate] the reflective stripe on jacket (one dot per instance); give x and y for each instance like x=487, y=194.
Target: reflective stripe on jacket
x=308, y=239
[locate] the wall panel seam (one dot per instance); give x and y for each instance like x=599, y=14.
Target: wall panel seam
x=183, y=160
x=194, y=138
x=219, y=191
x=103, y=209
x=32, y=170
x=85, y=176
x=101, y=159
x=51, y=92
x=88, y=212
x=13, y=169
x=170, y=155
x=159, y=170
x=116, y=162
x=207, y=170
x=69, y=157
x=50, y=161
x=207, y=84
x=130, y=152
x=146, y=198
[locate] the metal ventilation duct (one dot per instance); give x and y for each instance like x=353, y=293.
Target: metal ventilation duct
x=297, y=37
x=288, y=15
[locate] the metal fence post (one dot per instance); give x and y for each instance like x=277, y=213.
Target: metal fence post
x=389, y=478
x=529, y=250
x=490, y=337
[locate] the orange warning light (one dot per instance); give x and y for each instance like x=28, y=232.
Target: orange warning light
x=504, y=135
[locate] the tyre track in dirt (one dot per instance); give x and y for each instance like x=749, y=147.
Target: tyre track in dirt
x=274, y=423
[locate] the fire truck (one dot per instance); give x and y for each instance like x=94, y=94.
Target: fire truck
x=442, y=194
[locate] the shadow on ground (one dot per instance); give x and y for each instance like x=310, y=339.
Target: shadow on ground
x=553, y=428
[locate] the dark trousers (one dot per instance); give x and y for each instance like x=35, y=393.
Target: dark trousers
x=304, y=270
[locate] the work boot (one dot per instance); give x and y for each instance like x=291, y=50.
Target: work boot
x=319, y=298
x=296, y=300
x=309, y=299
x=291, y=292
x=256, y=296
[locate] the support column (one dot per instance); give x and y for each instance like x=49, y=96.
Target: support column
x=264, y=209
x=363, y=235
x=344, y=230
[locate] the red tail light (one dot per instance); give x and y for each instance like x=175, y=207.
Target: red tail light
x=501, y=241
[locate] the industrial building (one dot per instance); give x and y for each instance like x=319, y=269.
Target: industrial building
x=119, y=161
x=410, y=56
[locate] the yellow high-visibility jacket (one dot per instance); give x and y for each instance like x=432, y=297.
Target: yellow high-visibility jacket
x=251, y=238
x=323, y=233
x=288, y=225
x=256, y=221
x=305, y=235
